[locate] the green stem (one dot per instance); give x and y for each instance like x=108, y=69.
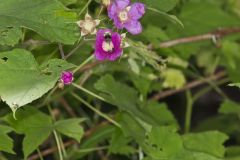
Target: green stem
x=74, y=49
x=50, y=94
x=206, y=90
x=88, y=92
x=39, y=154
x=83, y=64
x=85, y=7
x=101, y=9
x=92, y=149
x=55, y=134
x=188, y=115
x=62, y=146
x=95, y=110
x=58, y=145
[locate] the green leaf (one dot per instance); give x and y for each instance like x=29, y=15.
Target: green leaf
x=119, y=144
x=101, y=134
x=226, y=123
x=230, y=107
x=172, y=18
x=141, y=83
x=230, y=52
x=208, y=142
x=123, y=96
x=68, y=2
x=70, y=128
x=233, y=153
x=23, y=80
x=162, y=5
x=170, y=76
x=163, y=143
x=197, y=22
x=49, y=18
x=35, y=125
x=6, y=143
x=160, y=113
x=9, y=36
x=146, y=55
x=134, y=66
x=154, y=35
x=117, y=93
x=192, y=155
x=131, y=127
x=234, y=85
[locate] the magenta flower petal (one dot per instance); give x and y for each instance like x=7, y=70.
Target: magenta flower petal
x=134, y=27
x=121, y=4
x=108, y=47
x=137, y=11
x=116, y=6
x=112, y=10
x=67, y=77
x=126, y=16
x=118, y=23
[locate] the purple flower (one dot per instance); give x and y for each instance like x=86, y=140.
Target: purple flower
x=126, y=16
x=67, y=77
x=108, y=45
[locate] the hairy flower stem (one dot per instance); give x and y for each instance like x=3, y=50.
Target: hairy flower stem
x=88, y=92
x=40, y=154
x=93, y=149
x=188, y=115
x=55, y=135
x=58, y=145
x=75, y=49
x=83, y=64
x=101, y=9
x=95, y=110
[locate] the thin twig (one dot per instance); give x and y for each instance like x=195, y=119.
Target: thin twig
x=208, y=36
x=190, y=85
x=67, y=107
x=74, y=49
x=61, y=50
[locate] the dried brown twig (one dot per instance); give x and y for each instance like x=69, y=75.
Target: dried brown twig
x=190, y=85
x=208, y=36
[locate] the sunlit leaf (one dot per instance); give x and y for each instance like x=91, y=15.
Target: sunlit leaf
x=49, y=18
x=23, y=80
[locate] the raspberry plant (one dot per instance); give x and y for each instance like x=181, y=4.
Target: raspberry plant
x=119, y=79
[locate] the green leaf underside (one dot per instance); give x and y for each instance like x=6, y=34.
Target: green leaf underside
x=23, y=80
x=70, y=128
x=37, y=127
x=6, y=143
x=49, y=18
